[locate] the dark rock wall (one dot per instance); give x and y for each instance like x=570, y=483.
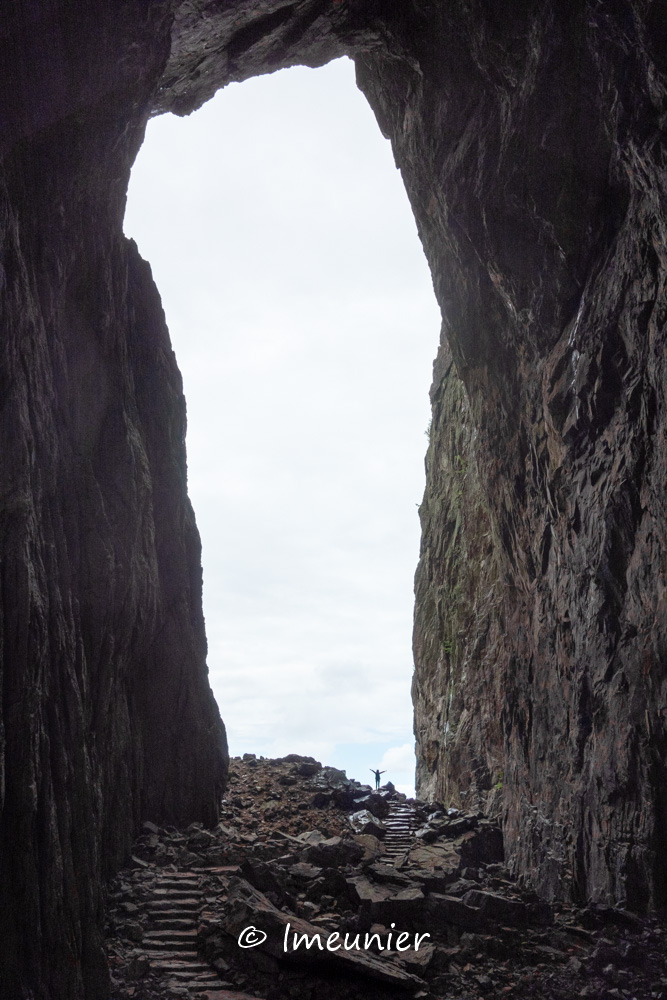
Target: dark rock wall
x=531, y=142
x=107, y=717
x=532, y=145
x=459, y=621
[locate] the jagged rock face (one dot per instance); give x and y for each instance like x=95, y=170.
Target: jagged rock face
x=533, y=150
x=107, y=715
x=531, y=147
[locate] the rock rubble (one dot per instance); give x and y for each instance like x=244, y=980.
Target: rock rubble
x=284, y=866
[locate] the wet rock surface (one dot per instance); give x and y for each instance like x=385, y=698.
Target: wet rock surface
x=177, y=913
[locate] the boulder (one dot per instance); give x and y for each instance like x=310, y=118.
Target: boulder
x=363, y=821
x=311, y=837
x=375, y=803
x=336, y=852
x=442, y=855
x=364, y=892
x=246, y=907
x=295, y=758
x=344, y=797
x=308, y=769
x=303, y=872
x=333, y=778
x=372, y=847
x=418, y=961
x=386, y=874
x=428, y=834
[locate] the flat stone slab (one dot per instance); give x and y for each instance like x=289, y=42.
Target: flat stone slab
x=497, y=908
x=246, y=906
x=171, y=935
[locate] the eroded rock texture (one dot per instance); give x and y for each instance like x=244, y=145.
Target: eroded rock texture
x=107, y=716
x=531, y=141
x=533, y=150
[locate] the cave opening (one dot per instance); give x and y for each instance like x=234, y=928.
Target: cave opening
x=303, y=319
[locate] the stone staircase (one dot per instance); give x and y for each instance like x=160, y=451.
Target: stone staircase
x=401, y=824
x=171, y=944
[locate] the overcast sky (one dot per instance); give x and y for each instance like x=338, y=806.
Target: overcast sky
x=302, y=315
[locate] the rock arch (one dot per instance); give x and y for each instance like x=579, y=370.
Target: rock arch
x=532, y=146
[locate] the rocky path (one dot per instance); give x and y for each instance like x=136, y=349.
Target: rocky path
x=171, y=944
x=292, y=856
x=169, y=948
x=401, y=824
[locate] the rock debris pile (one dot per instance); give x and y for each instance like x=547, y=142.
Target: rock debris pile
x=312, y=885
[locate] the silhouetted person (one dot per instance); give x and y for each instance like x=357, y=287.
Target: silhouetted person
x=377, y=778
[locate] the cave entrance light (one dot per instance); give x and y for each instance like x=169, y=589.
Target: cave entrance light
x=303, y=319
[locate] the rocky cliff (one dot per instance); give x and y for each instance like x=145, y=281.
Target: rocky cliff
x=531, y=141
x=107, y=716
x=534, y=151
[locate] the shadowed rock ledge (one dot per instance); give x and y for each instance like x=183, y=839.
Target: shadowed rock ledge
x=532, y=146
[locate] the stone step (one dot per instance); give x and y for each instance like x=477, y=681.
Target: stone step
x=165, y=955
x=166, y=940
x=183, y=902
x=176, y=893
x=156, y=948
x=173, y=911
x=186, y=972
x=178, y=883
x=195, y=975
x=173, y=923
x=160, y=891
x=184, y=935
x=194, y=966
